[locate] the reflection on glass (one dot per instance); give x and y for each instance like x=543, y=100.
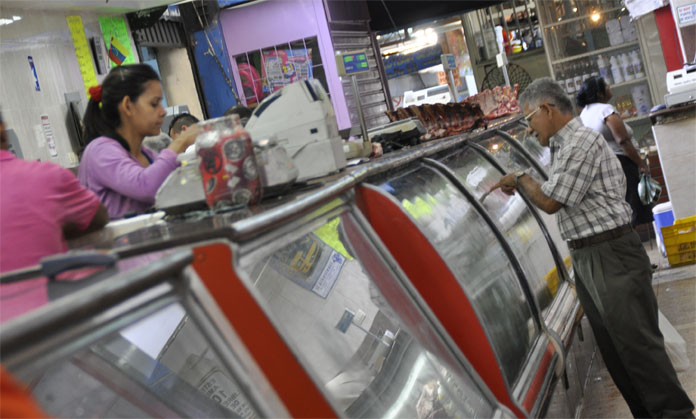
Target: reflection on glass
x=513, y=217
x=531, y=144
x=543, y=157
x=509, y=157
x=161, y=366
x=474, y=255
x=355, y=345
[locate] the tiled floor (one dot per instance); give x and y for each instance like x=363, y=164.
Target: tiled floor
x=676, y=296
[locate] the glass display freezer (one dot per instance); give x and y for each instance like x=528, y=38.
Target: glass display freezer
x=399, y=288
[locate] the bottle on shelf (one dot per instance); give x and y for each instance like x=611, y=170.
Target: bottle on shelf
x=577, y=79
x=627, y=67
x=594, y=68
x=637, y=64
x=587, y=70
x=616, y=71
x=605, y=70
x=569, y=81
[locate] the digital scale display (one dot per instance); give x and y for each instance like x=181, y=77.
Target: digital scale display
x=353, y=62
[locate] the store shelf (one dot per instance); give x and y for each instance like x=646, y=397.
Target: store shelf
x=575, y=19
x=514, y=56
x=636, y=118
x=595, y=52
x=627, y=83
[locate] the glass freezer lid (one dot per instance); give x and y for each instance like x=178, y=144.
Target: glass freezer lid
x=509, y=157
x=475, y=257
x=529, y=142
x=513, y=218
x=327, y=306
x=152, y=354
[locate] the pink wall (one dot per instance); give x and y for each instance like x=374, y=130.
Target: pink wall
x=274, y=22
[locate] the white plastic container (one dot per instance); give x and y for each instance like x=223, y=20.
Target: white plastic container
x=627, y=67
x=616, y=38
x=605, y=70
x=637, y=64
x=641, y=98
x=578, y=78
x=663, y=216
x=616, y=71
x=613, y=26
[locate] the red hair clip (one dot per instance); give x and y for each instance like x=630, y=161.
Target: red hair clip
x=95, y=92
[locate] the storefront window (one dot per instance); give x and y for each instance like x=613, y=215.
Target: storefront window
x=413, y=64
x=262, y=72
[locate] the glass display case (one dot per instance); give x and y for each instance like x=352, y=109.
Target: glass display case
x=313, y=295
x=473, y=253
x=137, y=345
x=597, y=38
x=339, y=307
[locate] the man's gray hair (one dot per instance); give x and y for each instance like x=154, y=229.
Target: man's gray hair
x=546, y=90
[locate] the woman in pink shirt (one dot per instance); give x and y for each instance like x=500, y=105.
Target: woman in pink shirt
x=121, y=112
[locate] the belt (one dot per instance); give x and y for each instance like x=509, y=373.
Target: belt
x=600, y=237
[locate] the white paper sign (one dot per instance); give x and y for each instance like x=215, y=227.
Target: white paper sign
x=48, y=135
x=638, y=8
x=687, y=14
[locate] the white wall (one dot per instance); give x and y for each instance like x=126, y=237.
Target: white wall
x=45, y=36
x=177, y=80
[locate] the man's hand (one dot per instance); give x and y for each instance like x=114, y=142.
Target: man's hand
x=507, y=184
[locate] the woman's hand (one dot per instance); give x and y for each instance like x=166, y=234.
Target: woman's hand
x=185, y=139
x=644, y=167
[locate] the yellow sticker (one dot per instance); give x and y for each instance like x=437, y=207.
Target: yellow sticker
x=328, y=233
x=82, y=51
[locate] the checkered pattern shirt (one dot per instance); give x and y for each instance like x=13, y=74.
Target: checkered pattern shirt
x=587, y=178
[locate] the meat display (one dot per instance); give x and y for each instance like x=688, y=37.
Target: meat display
x=442, y=120
x=500, y=101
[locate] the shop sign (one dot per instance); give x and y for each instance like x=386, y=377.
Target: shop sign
x=687, y=14
x=399, y=65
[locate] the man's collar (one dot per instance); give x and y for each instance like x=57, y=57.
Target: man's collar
x=569, y=128
x=6, y=155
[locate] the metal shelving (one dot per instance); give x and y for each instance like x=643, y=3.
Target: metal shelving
x=627, y=83
x=574, y=19
x=595, y=52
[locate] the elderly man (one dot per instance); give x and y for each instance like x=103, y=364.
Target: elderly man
x=613, y=275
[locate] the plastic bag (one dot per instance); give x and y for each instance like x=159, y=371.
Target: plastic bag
x=648, y=189
x=674, y=344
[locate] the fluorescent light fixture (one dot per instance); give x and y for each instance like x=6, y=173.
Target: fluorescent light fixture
x=422, y=38
x=7, y=21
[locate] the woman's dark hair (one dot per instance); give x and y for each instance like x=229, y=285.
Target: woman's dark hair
x=593, y=90
x=122, y=81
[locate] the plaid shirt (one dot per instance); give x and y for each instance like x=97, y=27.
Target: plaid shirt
x=587, y=178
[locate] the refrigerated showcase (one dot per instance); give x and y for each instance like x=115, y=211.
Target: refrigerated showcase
x=139, y=343
x=342, y=309
x=483, y=310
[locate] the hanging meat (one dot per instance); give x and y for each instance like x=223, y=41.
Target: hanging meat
x=500, y=101
x=442, y=120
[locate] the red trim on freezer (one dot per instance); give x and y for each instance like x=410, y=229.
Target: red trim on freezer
x=535, y=386
x=437, y=285
x=301, y=397
x=669, y=39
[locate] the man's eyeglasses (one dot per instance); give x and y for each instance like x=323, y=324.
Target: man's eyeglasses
x=529, y=117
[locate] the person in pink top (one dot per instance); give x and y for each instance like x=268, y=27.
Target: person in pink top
x=41, y=204
x=121, y=112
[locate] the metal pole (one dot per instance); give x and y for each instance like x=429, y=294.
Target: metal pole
x=358, y=106
x=505, y=74
x=453, y=87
